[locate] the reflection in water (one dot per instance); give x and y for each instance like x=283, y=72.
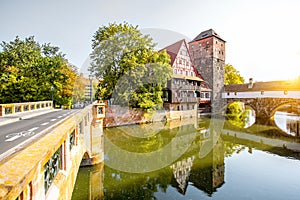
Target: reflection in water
x=240, y=115
x=181, y=172
x=234, y=168
x=288, y=122
x=89, y=183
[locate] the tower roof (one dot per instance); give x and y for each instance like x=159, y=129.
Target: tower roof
x=206, y=34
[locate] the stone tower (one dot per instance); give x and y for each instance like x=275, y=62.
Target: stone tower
x=208, y=54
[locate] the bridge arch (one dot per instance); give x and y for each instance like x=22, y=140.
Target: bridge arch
x=238, y=115
x=264, y=108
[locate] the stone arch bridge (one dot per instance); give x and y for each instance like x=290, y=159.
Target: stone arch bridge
x=264, y=97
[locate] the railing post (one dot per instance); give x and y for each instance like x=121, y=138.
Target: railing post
x=2, y=110
x=13, y=109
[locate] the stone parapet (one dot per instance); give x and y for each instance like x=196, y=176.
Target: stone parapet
x=47, y=168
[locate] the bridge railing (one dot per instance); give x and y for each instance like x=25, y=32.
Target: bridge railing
x=15, y=108
x=47, y=168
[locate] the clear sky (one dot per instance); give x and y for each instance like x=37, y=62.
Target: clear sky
x=262, y=35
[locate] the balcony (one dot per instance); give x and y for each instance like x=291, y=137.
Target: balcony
x=183, y=87
x=185, y=99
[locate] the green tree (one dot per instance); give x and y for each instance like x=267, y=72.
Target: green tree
x=28, y=70
x=133, y=72
x=232, y=76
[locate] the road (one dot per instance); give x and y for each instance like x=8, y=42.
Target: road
x=15, y=135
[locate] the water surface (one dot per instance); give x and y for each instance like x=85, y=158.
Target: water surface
x=194, y=159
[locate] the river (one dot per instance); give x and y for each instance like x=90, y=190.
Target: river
x=204, y=158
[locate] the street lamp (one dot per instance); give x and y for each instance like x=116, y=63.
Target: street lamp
x=52, y=89
x=91, y=87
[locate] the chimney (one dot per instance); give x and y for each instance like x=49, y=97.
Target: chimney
x=250, y=85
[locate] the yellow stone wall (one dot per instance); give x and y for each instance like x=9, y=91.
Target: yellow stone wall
x=22, y=174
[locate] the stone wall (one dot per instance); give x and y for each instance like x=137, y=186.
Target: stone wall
x=121, y=116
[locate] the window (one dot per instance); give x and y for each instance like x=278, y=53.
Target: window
x=175, y=71
x=186, y=73
x=207, y=95
x=262, y=92
x=192, y=46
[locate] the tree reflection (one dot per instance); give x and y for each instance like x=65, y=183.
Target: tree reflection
x=238, y=115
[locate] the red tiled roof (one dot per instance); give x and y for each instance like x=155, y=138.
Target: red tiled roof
x=173, y=50
x=264, y=86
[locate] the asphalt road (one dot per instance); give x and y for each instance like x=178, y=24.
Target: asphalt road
x=16, y=135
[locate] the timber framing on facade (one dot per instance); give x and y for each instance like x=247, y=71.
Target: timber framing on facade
x=194, y=75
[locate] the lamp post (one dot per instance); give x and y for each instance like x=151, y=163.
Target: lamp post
x=91, y=87
x=52, y=89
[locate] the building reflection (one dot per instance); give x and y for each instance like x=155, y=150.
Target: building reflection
x=181, y=172
x=208, y=173
x=205, y=173
x=293, y=127
x=90, y=183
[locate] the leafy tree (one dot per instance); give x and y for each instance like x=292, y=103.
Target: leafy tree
x=232, y=76
x=79, y=89
x=132, y=72
x=28, y=70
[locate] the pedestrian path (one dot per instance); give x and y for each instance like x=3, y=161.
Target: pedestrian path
x=24, y=115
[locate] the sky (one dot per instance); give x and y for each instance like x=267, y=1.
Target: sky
x=262, y=36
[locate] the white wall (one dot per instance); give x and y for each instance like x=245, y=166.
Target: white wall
x=265, y=94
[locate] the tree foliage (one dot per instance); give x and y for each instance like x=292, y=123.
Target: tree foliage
x=232, y=76
x=133, y=72
x=28, y=70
